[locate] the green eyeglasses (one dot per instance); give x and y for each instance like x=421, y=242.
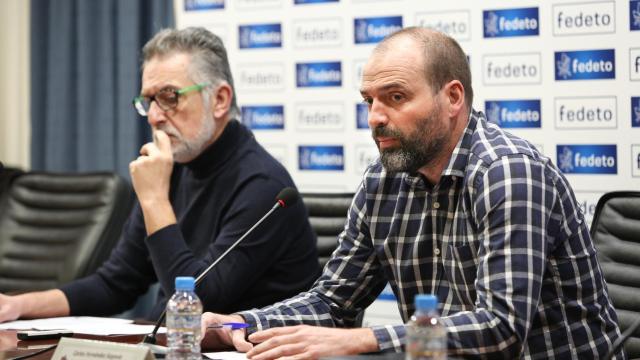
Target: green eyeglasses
x=166, y=98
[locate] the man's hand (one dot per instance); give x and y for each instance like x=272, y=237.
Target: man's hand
x=48, y=303
x=223, y=338
x=151, y=171
x=9, y=308
x=310, y=342
x=151, y=177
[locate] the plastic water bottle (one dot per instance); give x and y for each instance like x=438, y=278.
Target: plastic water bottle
x=426, y=335
x=184, y=311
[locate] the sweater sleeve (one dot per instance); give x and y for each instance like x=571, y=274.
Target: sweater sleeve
x=225, y=284
x=116, y=285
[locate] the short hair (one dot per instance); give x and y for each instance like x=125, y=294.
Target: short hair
x=209, y=61
x=444, y=59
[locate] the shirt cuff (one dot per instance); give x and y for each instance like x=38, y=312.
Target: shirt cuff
x=389, y=337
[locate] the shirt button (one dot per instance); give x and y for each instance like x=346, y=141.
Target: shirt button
x=436, y=251
x=436, y=205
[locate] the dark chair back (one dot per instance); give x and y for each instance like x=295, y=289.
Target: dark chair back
x=616, y=234
x=327, y=215
x=59, y=227
x=7, y=176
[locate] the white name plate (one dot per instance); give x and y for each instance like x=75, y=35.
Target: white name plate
x=83, y=349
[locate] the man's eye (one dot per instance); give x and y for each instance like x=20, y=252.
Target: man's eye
x=367, y=101
x=397, y=97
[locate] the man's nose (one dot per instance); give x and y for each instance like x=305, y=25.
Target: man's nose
x=155, y=115
x=377, y=115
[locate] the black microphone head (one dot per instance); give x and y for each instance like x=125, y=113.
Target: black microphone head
x=287, y=197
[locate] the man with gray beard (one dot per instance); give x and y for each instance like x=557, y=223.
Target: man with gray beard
x=201, y=184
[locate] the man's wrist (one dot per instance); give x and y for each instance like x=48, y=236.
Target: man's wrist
x=366, y=341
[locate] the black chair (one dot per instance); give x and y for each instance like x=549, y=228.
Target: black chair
x=616, y=234
x=7, y=176
x=59, y=227
x=327, y=215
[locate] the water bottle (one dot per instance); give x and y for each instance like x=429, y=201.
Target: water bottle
x=426, y=335
x=184, y=311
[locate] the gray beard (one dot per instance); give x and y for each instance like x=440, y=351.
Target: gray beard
x=416, y=150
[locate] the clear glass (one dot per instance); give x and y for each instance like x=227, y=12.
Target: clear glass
x=184, y=311
x=426, y=337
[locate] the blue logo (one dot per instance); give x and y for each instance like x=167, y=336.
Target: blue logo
x=262, y=117
x=510, y=22
x=299, y=2
x=634, y=15
x=373, y=30
x=585, y=64
x=260, y=36
x=635, y=111
x=587, y=159
x=514, y=113
x=320, y=158
x=194, y=5
x=319, y=74
x=362, y=116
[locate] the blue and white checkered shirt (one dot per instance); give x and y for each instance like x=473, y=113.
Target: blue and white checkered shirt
x=499, y=239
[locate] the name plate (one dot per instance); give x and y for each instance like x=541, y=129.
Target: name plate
x=83, y=349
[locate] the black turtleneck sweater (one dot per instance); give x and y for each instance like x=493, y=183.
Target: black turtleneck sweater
x=216, y=198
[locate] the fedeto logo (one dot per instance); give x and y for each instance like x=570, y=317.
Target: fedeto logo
x=260, y=36
x=362, y=116
x=319, y=74
x=593, y=112
x=456, y=24
x=320, y=157
x=635, y=111
x=514, y=113
x=195, y=5
x=263, y=117
x=584, y=18
x=319, y=116
x=634, y=15
x=587, y=159
x=302, y=2
x=373, y=30
x=510, y=22
x=585, y=64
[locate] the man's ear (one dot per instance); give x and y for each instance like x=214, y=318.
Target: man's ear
x=222, y=100
x=453, y=92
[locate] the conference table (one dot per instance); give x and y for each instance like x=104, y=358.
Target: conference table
x=11, y=347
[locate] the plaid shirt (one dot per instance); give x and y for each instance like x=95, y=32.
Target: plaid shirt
x=499, y=239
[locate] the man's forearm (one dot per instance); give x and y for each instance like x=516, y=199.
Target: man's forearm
x=42, y=304
x=157, y=215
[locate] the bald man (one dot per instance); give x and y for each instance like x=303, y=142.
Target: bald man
x=455, y=207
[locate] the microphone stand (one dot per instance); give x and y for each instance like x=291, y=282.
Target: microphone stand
x=151, y=337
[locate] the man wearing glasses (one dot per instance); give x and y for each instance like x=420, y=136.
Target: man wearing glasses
x=200, y=185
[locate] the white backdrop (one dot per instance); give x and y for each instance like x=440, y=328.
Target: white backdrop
x=562, y=74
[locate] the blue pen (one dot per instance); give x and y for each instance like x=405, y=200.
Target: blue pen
x=229, y=325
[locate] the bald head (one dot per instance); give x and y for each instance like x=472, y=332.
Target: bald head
x=443, y=58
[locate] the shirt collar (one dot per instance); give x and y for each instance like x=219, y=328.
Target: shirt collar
x=457, y=162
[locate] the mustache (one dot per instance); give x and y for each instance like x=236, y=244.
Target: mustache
x=169, y=130
x=385, y=131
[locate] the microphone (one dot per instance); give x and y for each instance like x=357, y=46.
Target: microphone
x=286, y=197
x=622, y=339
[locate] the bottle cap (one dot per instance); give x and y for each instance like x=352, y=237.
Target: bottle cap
x=426, y=302
x=185, y=283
